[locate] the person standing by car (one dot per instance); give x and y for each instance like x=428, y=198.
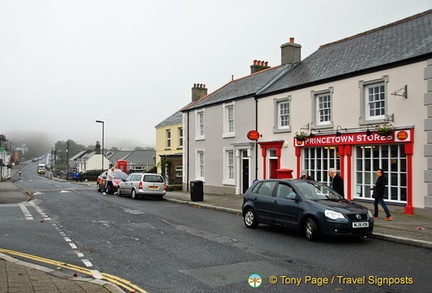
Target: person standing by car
x=109, y=178
x=305, y=175
x=336, y=182
x=378, y=195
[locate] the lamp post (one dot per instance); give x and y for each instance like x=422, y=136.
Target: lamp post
x=103, y=134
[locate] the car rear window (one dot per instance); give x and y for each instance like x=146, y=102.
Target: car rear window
x=264, y=188
x=153, y=178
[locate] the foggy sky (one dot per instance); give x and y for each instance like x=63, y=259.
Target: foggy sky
x=132, y=63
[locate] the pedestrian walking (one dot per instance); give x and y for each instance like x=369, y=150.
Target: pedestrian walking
x=336, y=182
x=378, y=195
x=109, y=178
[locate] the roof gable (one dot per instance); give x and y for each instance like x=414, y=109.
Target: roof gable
x=174, y=119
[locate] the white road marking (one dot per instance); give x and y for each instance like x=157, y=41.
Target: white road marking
x=96, y=274
x=62, y=233
x=87, y=262
x=40, y=211
x=26, y=212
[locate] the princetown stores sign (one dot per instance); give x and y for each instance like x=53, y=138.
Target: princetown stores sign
x=398, y=136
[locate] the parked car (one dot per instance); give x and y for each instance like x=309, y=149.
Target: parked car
x=305, y=205
x=118, y=174
x=139, y=184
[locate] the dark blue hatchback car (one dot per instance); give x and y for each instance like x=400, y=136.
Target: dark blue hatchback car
x=305, y=205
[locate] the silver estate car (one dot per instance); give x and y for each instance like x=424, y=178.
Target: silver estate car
x=139, y=184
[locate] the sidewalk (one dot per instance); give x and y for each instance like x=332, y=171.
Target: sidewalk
x=18, y=276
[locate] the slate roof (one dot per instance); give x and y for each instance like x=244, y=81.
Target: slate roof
x=240, y=88
x=79, y=155
x=118, y=155
x=141, y=157
x=174, y=119
x=386, y=46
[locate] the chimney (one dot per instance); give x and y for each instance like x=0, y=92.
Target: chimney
x=97, y=148
x=198, y=91
x=291, y=52
x=258, y=66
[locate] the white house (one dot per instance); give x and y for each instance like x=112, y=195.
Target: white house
x=216, y=149
x=88, y=160
x=340, y=96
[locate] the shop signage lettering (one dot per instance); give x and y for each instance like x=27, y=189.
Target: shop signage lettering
x=356, y=138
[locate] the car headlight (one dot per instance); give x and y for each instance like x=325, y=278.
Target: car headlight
x=333, y=215
x=370, y=214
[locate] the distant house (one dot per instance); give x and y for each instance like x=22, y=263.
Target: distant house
x=169, y=142
x=137, y=160
x=87, y=160
x=5, y=159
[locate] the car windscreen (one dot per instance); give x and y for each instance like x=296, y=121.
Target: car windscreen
x=119, y=175
x=153, y=178
x=317, y=191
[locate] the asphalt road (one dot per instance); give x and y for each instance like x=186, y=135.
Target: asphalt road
x=168, y=247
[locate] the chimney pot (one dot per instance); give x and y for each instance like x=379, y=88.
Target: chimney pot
x=198, y=91
x=291, y=40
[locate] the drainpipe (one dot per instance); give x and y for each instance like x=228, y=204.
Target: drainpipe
x=187, y=152
x=256, y=142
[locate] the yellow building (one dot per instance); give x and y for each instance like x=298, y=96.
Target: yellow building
x=169, y=148
x=169, y=141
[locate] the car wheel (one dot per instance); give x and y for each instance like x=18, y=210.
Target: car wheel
x=119, y=193
x=311, y=229
x=250, y=218
x=133, y=194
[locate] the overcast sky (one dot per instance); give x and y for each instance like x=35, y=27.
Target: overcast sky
x=132, y=63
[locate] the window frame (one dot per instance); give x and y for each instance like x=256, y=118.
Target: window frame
x=180, y=137
x=229, y=166
x=200, y=124
x=365, y=117
x=200, y=164
x=277, y=128
x=168, y=139
x=315, y=96
x=228, y=120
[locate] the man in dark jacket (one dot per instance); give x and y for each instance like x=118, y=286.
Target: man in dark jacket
x=378, y=195
x=336, y=182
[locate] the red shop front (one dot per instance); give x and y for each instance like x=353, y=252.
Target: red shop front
x=357, y=156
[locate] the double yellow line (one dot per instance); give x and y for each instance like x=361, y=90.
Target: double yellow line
x=110, y=278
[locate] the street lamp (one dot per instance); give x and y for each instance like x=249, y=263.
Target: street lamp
x=103, y=134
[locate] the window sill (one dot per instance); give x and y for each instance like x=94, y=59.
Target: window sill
x=228, y=135
x=281, y=130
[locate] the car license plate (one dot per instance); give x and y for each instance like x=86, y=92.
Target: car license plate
x=360, y=224
x=154, y=187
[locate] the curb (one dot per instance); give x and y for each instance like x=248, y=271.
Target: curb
x=402, y=240
x=110, y=286
x=206, y=206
